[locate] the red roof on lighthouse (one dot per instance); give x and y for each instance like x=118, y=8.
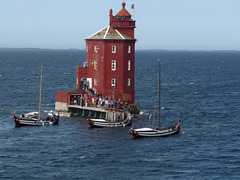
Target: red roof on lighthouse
x=123, y=11
x=121, y=27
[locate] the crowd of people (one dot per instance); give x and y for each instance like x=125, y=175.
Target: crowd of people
x=99, y=101
x=84, y=83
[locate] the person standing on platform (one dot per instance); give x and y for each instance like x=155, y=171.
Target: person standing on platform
x=88, y=83
x=81, y=83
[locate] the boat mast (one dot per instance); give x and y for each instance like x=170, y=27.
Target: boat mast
x=159, y=91
x=40, y=96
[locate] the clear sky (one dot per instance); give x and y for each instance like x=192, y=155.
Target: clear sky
x=161, y=24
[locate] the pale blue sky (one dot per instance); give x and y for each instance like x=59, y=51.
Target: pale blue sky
x=161, y=24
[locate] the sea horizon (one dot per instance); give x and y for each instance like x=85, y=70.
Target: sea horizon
x=155, y=50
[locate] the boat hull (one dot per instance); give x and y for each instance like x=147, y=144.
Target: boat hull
x=150, y=132
x=19, y=121
x=105, y=123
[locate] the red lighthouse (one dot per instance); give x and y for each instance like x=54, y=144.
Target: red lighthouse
x=110, y=58
x=110, y=63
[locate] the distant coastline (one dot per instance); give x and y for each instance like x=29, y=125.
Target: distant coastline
x=147, y=50
x=41, y=49
x=168, y=50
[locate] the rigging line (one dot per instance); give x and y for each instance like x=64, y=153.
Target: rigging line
x=147, y=108
x=144, y=115
x=145, y=123
x=158, y=113
x=35, y=102
x=48, y=94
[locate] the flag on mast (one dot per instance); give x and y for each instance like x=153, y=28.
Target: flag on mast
x=132, y=6
x=13, y=113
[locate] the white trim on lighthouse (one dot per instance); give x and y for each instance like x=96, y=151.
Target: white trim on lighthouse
x=109, y=33
x=106, y=32
x=97, y=32
x=119, y=34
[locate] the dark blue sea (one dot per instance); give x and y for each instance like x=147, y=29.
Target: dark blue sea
x=201, y=88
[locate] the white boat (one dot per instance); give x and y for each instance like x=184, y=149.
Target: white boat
x=25, y=121
x=158, y=131
x=150, y=132
x=104, y=123
x=29, y=119
x=113, y=118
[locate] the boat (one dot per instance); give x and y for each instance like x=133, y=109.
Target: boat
x=156, y=131
x=112, y=118
x=30, y=119
x=27, y=121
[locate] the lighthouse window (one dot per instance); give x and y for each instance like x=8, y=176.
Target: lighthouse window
x=114, y=49
x=95, y=49
x=95, y=65
x=129, y=82
x=129, y=49
x=114, y=65
x=129, y=65
x=95, y=81
x=113, y=82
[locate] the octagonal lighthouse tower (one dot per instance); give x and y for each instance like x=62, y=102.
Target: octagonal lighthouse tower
x=110, y=58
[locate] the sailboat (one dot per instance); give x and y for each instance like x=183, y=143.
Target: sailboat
x=112, y=118
x=29, y=119
x=158, y=131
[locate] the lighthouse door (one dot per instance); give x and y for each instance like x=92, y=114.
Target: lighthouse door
x=90, y=82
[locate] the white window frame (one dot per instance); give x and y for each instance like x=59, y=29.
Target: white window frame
x=129, y=65
x=113, y=82
x=95, y=64
x=129, y=49
x=114, y=49
x=114, y=65
x=95, y=48
x=129, y=82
